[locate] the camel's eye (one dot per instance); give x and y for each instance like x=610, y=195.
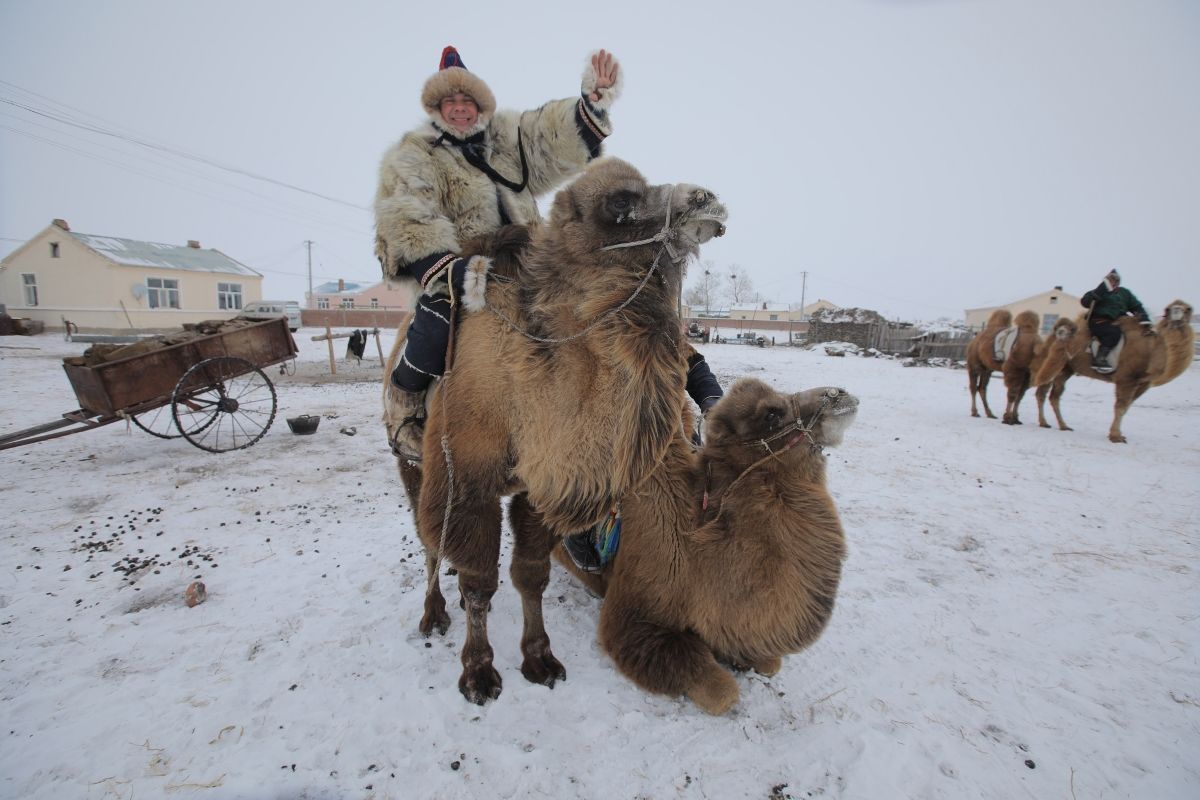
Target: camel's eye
x=620, y=204
x=773, y=417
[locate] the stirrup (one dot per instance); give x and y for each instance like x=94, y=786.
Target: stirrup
x=582, y=550
x=417, y=422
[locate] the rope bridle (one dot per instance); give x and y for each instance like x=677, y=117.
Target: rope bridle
x=796, y=432
x=667, y=236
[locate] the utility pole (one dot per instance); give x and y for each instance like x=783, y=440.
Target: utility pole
x=309, y=299
x=803, y=286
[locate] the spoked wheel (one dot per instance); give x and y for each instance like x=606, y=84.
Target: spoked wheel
x=158, y=422
x=223, y=404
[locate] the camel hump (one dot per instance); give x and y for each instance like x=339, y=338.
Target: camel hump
x=1027, y=320
x=505, y=246
x=1000, y=318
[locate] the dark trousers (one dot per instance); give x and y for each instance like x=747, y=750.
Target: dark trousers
x=1106, y=331
x=424, y=356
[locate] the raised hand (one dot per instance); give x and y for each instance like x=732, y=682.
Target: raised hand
x=605, y=65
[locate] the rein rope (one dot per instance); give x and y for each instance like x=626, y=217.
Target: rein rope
x=666, y=236
x=798, y=426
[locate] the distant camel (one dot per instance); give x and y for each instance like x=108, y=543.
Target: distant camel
x=1063, y=330
x=981, y=361
x=1147, y=358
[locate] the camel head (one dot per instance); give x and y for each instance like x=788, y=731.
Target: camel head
x=754, y=419
x=1064, y=328
x=1177, y=315
x=612, y=204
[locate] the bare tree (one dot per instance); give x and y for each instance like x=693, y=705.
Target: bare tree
x=740, y=285
x=704, y=292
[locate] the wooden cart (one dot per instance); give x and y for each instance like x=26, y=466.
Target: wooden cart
x=211, y=390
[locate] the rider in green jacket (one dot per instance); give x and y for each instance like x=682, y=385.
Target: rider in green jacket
x=1108, y=302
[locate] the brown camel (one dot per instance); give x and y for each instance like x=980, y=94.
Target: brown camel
x=1063, y=330
x=981, y=361
x=1148, y=357
x=566, y=391
x=730, y=558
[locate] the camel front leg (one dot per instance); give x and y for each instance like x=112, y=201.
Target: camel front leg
x=1126, y=394
x=530, y=575
x=1016, y=386
x=1057, y=387
x=979, y=377
x=472, y=545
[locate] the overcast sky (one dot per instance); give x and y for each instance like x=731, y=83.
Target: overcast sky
x=917, y=157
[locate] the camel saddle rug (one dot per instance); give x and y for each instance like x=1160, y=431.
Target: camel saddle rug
x=1002, y=345
x=1114, y=355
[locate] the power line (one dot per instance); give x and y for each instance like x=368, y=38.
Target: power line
x=137, y=140
x=296, y=213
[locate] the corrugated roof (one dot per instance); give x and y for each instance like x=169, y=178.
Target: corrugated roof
x=351, y=287
x=133, y=253
x=760, y=306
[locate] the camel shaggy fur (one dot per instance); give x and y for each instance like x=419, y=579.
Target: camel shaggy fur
x=566, y=391
x=1148, y=358
x=729, y=558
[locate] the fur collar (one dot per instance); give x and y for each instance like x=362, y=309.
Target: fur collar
x=437, y=126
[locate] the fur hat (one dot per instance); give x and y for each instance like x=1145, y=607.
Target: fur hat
x=452, y=77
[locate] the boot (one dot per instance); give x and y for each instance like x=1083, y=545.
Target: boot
x=1100, y=359
x=593, y=548
x=581, y=547
x=405, y=418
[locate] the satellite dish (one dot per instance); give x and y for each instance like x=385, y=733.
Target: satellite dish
x=139, y=290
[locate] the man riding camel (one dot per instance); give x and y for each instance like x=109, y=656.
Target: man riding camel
x=1107, y=303
x=466, y=171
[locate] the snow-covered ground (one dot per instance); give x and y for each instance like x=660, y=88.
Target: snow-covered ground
x=1018, y=616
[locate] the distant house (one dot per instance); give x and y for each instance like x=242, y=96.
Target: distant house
x=813, y=308
x=1049, y=306
x=106, y=283
x=761, y=312
x=775, y=312
x=343, y=294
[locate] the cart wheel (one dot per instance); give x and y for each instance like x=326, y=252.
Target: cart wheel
x=158, y=422
x=224, y=403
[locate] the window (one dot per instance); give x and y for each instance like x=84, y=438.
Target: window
x=162, y=292
x=1048, y=321
x=54, y=249
x=229, y=296
x=322, y=302
x=774, y=316
x=374, y=302
x=347, y=302
x=29, y=282
x=1053, y=299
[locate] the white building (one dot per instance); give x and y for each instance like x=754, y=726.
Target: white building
x=111, y=284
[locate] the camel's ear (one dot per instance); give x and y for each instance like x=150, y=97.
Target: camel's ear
x=564, y=209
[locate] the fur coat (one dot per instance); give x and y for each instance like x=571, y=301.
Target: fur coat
x=431, y=199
